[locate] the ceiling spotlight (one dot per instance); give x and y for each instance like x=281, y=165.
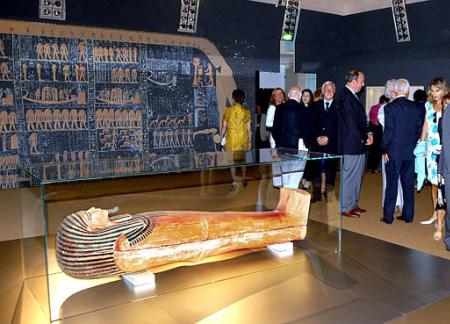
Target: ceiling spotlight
x=188, y=12
x=52, y=9
x=290, y=21
x=400, y=21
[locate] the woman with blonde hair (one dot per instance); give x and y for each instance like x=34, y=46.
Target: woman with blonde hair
x=434, y=108
x=277, y=97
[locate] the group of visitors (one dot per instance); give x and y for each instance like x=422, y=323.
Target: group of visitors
x=404, y=137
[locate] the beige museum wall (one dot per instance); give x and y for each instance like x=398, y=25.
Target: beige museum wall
x=20, y=214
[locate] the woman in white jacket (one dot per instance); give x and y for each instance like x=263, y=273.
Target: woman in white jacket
x=277, y=97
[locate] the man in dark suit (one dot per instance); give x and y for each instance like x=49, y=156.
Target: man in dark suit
x=444, y=169
x=403, y=120
x=324, y=131
x=290, y=130
x=291, y=122
x=353, y=136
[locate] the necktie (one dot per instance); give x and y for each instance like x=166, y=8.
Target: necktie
x=327, y=105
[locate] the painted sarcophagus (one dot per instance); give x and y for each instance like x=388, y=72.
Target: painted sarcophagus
x=91, y=244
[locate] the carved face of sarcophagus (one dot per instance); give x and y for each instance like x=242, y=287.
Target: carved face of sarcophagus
x=92, y=244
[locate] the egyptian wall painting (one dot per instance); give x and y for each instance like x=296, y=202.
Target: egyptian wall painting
x=75, y=94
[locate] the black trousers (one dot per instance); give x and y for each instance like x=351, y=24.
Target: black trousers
x=447, y=214
x=405, y=170
x=373, y=161
x=327, y=166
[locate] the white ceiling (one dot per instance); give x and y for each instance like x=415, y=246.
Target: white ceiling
x=343, y=7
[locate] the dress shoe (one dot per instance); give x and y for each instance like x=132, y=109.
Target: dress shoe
x=401, y=218
x=359, y=210
x=316, y=195
x=325, y=196
x=384, y=220
x=350, y=214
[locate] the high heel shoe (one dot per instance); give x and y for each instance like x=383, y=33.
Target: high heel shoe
x=233, y=186
x=429, y=221
x=244, y=183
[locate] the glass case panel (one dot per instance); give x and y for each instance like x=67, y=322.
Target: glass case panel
x=199, y=182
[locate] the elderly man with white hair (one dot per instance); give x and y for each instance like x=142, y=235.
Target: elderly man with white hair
x=291, y=122
x=324, y=131
x=403, y=121
x=290, y=128
x=389, y=92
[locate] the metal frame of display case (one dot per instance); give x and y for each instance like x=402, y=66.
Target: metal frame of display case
x=46, y=174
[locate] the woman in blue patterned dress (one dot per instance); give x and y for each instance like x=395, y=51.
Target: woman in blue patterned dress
x=437, y=90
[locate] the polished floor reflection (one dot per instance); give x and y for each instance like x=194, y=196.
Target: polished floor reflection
x=370, y=282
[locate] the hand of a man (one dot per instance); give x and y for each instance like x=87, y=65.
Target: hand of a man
x=386, y=158
x=322, y=140
x=369, y=139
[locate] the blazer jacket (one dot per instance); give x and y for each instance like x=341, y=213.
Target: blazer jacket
x=290, y=123
x=403, y=123
x=444, y=159
x=324, y=123
x=352, y=123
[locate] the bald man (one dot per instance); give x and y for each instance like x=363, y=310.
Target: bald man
x=290, y=130
x=290, y=125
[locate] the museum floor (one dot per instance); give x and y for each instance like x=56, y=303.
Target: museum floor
x=371, y=281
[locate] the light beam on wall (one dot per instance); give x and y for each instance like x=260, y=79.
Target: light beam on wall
x=52, y=9
x=400, y=21
x=290, y=21
x=188, y=16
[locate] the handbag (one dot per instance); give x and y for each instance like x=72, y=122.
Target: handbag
x=224, y=140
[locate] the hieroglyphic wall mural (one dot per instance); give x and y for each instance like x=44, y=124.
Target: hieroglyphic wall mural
x=9, y=142
x=76, y=94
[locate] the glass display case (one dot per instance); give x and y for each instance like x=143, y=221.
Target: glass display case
x=201, y=182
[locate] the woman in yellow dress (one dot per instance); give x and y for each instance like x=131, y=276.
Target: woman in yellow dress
x=236, y=127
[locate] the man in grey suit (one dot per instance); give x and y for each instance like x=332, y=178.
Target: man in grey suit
x=444, y=169
x=353, y=136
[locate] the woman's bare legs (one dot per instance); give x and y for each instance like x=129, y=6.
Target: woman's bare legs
x=439, y=225
x=433, y=217
x=244, y=171
x=233, y=176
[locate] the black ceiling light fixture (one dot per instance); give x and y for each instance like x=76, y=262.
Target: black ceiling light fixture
x=290, y=21
x=188, y=16
x=52, y=9
x=400, y=21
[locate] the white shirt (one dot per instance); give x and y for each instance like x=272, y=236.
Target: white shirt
x=270, y=115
